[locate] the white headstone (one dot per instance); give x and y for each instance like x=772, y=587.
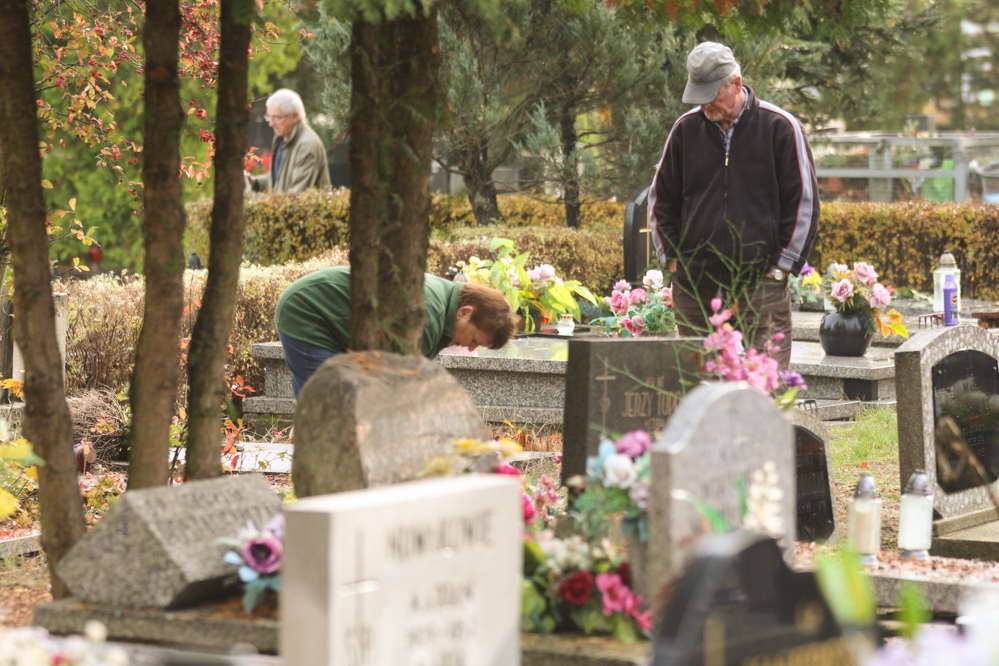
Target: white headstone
x=426, y=573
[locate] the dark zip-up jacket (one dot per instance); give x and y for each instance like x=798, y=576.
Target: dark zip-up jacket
x=748, y=204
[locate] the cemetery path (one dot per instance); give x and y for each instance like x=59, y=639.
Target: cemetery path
x=24, y=583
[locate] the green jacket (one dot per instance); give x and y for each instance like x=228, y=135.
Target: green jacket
x=303, y=165
x=316, y=309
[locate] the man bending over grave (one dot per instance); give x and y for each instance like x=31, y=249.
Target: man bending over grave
x=734, y=203
x=313, y=319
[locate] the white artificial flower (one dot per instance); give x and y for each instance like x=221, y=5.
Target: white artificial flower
x=95, y=631
x=763, y=510
x=619, y=471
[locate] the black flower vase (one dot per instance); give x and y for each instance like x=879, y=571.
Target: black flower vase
x=843, y=334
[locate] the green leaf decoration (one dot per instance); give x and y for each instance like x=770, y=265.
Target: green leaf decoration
x=912, y=609
x=715, y=519
x=624, y=629
x=846, y=588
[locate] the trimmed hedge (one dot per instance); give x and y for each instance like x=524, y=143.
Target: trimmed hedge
x=903, y=241
x=298, y=227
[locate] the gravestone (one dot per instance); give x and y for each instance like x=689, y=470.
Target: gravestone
x=622, y=384
x=639, y=252
x=371, y=419
x=11, y=360
x=739, y=604
x=425, y=573
x=720, y=435
x=157, y=547
x=814, y=480
x=948, y=425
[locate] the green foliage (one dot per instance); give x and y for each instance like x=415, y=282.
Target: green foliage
x=872, y=439
x=846, y=588
x=913, y=610
x=905, y=240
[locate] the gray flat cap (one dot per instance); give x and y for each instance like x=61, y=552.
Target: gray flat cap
x=707, y=65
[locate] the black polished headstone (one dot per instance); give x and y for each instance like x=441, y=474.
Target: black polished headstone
x=622, y=384
x=739, y=604
x=639, y=252
x=966, y=396
x=816, y=516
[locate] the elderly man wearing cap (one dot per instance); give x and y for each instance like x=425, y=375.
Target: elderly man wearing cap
x=734, y=202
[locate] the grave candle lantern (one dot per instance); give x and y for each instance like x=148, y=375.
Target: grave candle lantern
x=863, y=526
x=565, y=324
x=915, y=527
x=946, y=266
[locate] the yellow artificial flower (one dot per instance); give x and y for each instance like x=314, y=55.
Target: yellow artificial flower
x=440, y=467
x=508, y=448
x=8, y=504
x=812, y=279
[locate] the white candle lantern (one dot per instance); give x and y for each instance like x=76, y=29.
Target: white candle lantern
x=565, y=325
x=947, y=265
x=915, y=525
x=863, y=525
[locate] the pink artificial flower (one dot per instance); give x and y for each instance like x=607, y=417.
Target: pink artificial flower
x=619, y=303
x=880, y=297
x=637, y=296
x=778, y=337
x=865, y=273
x=634, y=443
x=716, y=304
x=652, y=278
x=263, y=554
x=667, y=297
x=506, y=468
x=644, y=620
x=528, y=507
x=622, y=285
x=635, y=325
x=842, y=290
x=616, y=596
x=720, y=318
x=534, y=274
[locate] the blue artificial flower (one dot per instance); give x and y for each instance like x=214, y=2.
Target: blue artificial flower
x=247, y=575
x=232, y=557
x=595, y=464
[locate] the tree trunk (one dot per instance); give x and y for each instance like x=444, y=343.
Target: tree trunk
x=480, y=186
x=209, y=341
x=157, y=368
x=567, y=123
x=393, y=113
x=46, y=421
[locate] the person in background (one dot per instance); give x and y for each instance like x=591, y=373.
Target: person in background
x=298, y=156
x=734, y=198
x=313, y=319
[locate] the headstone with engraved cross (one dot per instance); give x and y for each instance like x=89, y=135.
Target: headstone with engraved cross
x=425, y=573
x=639, y=252
x=618, y=385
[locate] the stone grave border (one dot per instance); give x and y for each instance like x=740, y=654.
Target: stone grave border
x=914, y=363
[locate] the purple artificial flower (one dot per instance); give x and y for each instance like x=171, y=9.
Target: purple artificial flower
x=806, y=270
x=263, y=554
x=793, y=380
x=634, y=443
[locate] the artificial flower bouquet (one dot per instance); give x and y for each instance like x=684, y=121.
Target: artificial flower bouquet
x=727, y=359
x=806, y=287
x=641, y=311
x=572, y=584
x=537, y=291
x=258, y=554
x=858, y=291
x=617, y=484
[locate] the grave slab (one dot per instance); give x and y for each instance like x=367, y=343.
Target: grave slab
x=22, y=545
x=190, y=627
x=868, y=378
x=157, y=547
x=816, y=491
x=719, y=434
x=619, y=385
x=980, y=542
x=371, y=419
x=427, y=572
x=932, y=386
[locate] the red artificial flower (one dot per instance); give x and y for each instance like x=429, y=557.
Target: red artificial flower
x=624, y=571
x=577, y=588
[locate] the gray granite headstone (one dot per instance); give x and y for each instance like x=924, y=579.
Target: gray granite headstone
x=719, y=435
x=816, y=491
x=622, y=384
x=157, y=547
x=372, y=419
x=950, y=371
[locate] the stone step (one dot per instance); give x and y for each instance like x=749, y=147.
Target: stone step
x=831, y=410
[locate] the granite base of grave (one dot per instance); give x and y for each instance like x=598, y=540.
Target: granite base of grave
x=980, y=542
x=22, y=545
x=189, y=627
x=274, y=406
x=868, y=378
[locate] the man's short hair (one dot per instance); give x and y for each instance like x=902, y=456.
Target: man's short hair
x=491, y=312
x=289, y=102
x=730, y=77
